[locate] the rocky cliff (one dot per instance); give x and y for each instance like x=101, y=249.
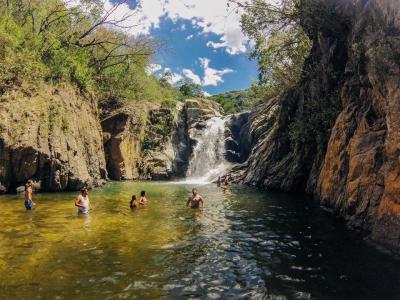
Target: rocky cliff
x=151, y=142
x=51, y=135
x=336, y=134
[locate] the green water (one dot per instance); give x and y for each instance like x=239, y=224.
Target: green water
x=244, y=244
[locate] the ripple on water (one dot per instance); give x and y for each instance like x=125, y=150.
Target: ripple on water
x=235, y=248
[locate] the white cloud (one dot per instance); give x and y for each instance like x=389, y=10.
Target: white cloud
x=210, y=16
x=153, y=68
x=206, y=94
x=192, y=76
x=212, y=76
x=189, y=37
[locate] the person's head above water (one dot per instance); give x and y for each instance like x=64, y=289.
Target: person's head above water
x=195, y=191
x=134, y=198
x=84, y=192
x=143, y=193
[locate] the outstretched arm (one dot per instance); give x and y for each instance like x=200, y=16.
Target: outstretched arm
x=188, y=201
x=202, y=202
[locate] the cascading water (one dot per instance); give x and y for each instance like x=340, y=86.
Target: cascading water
x=208, y=158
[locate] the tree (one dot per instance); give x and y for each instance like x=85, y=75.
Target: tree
x=88, y=45
x=281, y=45
x=190, y=89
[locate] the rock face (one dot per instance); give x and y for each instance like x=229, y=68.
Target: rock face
x=153, y=142
x=336, y=134
x=122, y=133
x=237, y=144
x=51, y=135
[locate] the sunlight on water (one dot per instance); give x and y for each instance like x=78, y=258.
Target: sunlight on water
x=243, y=244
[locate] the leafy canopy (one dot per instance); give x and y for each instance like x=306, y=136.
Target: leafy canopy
x=55, y=41
x=281, y=45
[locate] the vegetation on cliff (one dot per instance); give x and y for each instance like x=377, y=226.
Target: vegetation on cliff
x=281, y=44
x=54, y=41
x=238, y=101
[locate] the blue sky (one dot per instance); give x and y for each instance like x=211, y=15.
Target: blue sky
x=203, y=41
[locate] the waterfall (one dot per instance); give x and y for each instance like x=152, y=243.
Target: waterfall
x=208, y=158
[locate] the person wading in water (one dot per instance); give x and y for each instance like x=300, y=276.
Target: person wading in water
x=28, y=195
x=143, y=200
x=133, y=203
x=83, y=203
x=195, y=199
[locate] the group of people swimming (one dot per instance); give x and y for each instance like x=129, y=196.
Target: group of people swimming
x=82, y=201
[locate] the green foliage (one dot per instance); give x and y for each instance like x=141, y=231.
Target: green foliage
x=45, y=40
x=281, y=45
x=316, y=120
x=237, y=101
x=159, y=128
x=190, y=90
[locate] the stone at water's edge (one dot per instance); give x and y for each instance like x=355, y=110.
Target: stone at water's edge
x=355, y=168
x=51, y=135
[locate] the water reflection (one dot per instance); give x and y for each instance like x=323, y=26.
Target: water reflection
x=243, y=244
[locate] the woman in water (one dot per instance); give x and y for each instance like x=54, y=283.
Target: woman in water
x=133, y=203
x=143, y=200
x=83, y=203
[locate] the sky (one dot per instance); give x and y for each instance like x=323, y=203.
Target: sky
x=202, y=39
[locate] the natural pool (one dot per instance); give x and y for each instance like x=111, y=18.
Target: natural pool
x=244, y=244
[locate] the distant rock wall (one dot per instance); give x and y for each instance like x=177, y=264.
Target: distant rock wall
x=336, y=135
x=51, y=135
x=154, y=142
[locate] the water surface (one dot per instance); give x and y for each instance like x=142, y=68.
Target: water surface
x=244, y=244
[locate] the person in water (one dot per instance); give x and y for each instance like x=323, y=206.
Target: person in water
x=143, y=200
x=219, y=181
x=28, y=195
x=83, y=203
x=226, y=181
x=133, y=203
x=195, y=200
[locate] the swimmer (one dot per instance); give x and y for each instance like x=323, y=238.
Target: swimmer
x=195, y=200
x=133, y=203
x=143, y=200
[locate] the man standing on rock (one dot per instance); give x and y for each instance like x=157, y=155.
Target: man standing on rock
x=28, y=195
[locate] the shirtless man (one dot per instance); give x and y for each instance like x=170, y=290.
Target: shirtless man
x=83, y=203
x=195, y=199
x=28, y=195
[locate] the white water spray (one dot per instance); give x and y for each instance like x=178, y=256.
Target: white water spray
x=208, y=161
